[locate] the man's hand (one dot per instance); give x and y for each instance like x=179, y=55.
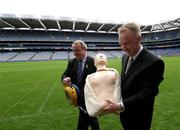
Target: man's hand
x=112, y=107
x=67, y=81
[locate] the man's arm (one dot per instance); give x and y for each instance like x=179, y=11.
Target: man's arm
x=149, y=84
x=149, y=89
x=65, y=77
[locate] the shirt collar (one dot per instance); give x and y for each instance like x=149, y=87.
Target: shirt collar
x=84, y=59
x=135, y=56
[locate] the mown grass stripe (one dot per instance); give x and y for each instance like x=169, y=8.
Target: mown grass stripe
x=23, y=97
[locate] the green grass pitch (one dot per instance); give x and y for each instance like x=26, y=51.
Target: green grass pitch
x=32, y=98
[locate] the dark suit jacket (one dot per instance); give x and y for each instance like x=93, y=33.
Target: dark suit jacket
x=139, y=88
x=71, y=71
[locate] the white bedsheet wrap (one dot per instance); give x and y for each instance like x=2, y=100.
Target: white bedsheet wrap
x=100, y=86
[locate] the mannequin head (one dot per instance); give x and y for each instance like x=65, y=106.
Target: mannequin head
x=100, y=60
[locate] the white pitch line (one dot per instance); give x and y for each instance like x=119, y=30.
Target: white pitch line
x=34, y=115
x=29, y=91
x=47, y=97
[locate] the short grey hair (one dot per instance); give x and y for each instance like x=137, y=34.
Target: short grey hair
x=83, y=44
x=132, y=27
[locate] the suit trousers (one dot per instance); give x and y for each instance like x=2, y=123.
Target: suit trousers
x=131, y=121
x=85, y=121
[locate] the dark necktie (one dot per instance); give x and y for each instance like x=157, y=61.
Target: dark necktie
x=79, y=71
x=129, y=65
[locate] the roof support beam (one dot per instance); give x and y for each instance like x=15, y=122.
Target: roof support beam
x=112, y=28
x=42, y=24
x=7, y=23
x=74, y=24
x=143, y=28
x=87, y=26
x=59, y=26
x=162, y=27
x=100, y=27
x=174, y=25
x=24, y=23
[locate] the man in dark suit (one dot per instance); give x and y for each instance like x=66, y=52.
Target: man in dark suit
x=76, y=72
x=141, y=74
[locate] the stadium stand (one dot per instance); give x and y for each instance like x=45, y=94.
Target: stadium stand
x=60, y=55
x=7, y=56
x=46, y=38
x=24, y=56
x=42, y=56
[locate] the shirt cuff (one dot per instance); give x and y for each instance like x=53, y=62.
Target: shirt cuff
x=121, y=107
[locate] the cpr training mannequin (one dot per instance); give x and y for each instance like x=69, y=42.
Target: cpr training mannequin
x=101, y=86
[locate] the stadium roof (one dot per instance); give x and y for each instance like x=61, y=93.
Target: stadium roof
x=48, y=23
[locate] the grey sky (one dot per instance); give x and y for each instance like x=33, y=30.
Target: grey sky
x=119, y=11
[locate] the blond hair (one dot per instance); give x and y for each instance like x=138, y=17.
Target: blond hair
x=132, y=27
